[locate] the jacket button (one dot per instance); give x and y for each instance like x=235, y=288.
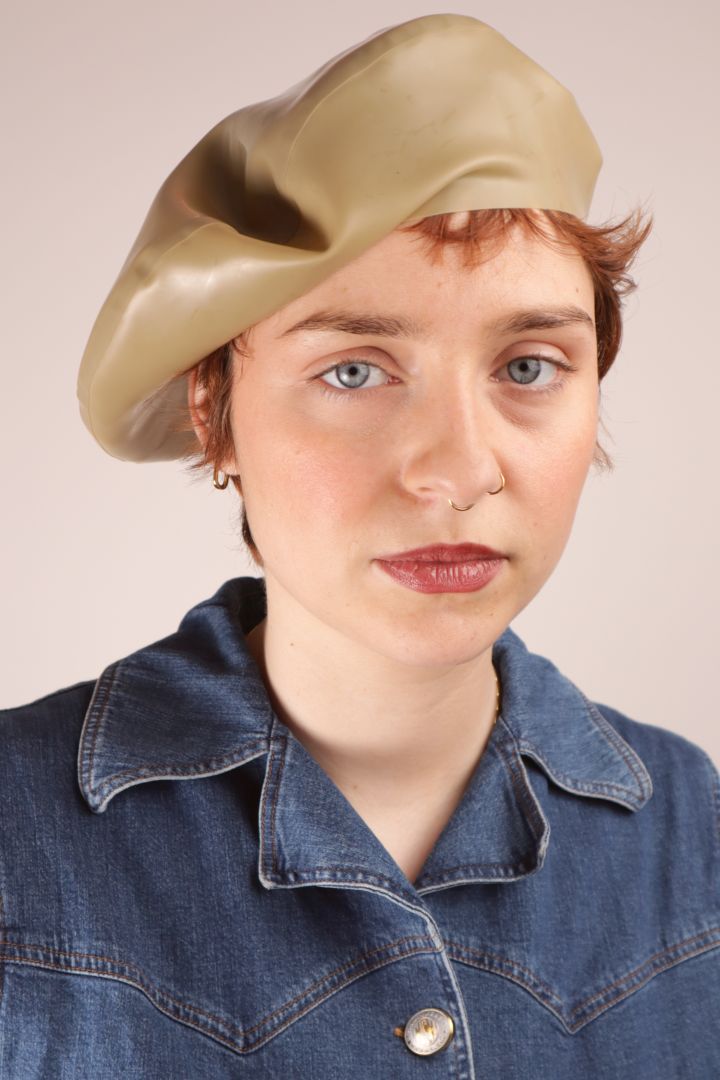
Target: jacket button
x=428, y=1031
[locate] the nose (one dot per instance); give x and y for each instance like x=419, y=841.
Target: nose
x=451, y=451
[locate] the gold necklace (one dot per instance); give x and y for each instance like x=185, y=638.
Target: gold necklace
x=497, y=696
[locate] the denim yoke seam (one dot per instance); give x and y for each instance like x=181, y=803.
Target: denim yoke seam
x=576, y=1018
x=497, y=964
x=218, y=1027
x=213, y=1016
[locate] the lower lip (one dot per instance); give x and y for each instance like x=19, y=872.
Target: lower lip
x=441, y=577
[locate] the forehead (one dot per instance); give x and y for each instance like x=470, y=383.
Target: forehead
x=400, y=275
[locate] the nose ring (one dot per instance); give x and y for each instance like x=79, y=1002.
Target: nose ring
x=502, y=485
x=495, y=492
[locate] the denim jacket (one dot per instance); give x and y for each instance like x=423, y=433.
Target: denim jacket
x=186, y=894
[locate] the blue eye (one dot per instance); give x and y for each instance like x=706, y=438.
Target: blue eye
x=535, y=372
x=532, y=369
x=355, y=378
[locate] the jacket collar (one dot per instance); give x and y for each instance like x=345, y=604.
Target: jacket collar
x=191, y=705
x=194, y=704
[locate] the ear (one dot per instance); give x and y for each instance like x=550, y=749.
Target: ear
x=199, y=411
x=197, y=407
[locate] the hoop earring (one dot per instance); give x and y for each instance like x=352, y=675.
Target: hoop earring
x=220, y=485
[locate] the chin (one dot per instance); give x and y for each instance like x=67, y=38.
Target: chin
x=448, y=640
x=443, y=655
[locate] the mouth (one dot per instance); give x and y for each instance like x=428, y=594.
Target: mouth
x=444, y=567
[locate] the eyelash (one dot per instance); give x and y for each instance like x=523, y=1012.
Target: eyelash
x=349, y=392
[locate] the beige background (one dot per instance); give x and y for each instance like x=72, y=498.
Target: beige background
x=101, y=557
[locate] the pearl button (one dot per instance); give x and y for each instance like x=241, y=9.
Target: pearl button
x=428, y=1031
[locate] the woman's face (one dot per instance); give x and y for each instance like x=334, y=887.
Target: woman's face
x=393, y=386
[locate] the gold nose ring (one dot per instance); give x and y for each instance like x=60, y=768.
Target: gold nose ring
x=495, y=492
x=502, y=485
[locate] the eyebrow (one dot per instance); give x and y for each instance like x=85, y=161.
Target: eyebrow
x=518, y=322
x=355, y=323
x=546, y=319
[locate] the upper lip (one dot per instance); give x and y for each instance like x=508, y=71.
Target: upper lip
x=445, y=553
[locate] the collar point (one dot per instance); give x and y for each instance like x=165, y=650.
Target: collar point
x=94, y=801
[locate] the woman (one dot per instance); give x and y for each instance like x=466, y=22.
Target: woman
x=374, y=305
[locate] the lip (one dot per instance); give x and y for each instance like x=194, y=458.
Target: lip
x=442, y=568
x=443, y=575
x=444, y=553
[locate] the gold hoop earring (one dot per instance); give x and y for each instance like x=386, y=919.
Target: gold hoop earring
x=460, y=507
x=502, y=485
x=220, y=485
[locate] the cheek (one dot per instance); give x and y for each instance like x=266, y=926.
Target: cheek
x=311, y=481
x=555, y=486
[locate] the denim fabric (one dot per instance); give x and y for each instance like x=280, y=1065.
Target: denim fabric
x=185, y=893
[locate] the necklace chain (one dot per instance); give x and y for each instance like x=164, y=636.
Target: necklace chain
x=497, y=696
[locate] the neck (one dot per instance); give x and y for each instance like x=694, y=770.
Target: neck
x=400, y=742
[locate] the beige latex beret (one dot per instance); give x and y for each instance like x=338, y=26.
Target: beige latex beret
x=435, y=115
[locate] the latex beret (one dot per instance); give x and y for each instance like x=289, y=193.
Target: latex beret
x=435, y=115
